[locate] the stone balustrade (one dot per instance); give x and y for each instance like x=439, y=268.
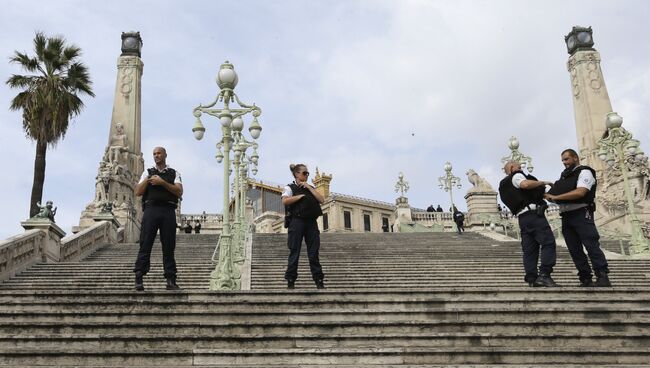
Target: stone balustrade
x=20, y=252
x=85, y=242
x=42, y=242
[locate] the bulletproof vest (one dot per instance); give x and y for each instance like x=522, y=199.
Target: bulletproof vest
x=307, y=207
x=517, y=199
x=157, y=193
x=569, y=181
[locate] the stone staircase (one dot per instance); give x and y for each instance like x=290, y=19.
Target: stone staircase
x=418, y=260
x=393, y=300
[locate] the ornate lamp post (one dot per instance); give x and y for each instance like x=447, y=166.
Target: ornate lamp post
x=618, y=148
x=448, y=181
x=517, y=156
x=402, y=186
x=226, y=276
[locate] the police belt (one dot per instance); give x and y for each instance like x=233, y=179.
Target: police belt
x=528, y=208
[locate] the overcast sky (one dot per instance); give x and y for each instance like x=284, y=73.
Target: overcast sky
x=361, y=89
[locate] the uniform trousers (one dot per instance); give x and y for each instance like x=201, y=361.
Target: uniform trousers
x=155, y=218
x=300, y=228
x=536, y=233
x=579, y=229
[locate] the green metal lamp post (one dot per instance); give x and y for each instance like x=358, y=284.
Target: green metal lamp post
x=618, y=148
x=240, y=186
x=448, y=182
x=516, y=156
x=226, y=276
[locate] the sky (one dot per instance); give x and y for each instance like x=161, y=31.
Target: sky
x=362, y=90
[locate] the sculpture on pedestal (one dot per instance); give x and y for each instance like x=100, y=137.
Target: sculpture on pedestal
x=46, y=212
x=479, y=183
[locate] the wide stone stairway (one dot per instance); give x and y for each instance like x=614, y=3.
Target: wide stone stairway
x=392, y=300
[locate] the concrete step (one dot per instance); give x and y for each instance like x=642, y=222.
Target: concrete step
x=334, y=356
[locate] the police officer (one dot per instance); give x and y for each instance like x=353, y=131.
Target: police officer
x=160, y=188
x=302, y=204
x=575, y=193
x=523, y=194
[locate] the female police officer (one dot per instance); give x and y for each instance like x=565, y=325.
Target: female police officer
x=302, y=207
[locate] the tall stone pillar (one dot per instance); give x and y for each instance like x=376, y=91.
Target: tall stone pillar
x=590, y=98
x=591, y=104
x=122, y=164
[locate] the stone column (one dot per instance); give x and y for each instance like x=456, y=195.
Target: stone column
x=590, y=98
x=120, y=168
x=481, y=201
x=591, y=104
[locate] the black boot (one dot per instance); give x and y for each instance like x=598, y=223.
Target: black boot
x=602, y=280
x=586, y=282
x=291, y=284
x=139, y=284
x=319, y=284
x=171, y=283
x=544, y=280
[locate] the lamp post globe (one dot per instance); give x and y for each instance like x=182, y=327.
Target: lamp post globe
x=227, y=77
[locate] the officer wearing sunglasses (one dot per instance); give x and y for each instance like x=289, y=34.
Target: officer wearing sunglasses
x=302, y=208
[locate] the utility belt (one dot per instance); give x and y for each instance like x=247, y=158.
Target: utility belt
x=572, y=207
x=534, y=208
x=158, y=203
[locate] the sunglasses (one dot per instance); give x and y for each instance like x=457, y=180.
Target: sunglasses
x=306, y=173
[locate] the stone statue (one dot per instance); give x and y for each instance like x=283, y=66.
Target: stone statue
x=46, y=212
x=480, y=184
x=101, y=183
x=106, y=207
x=117, y=144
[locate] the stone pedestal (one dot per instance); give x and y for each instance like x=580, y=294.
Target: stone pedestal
x=481, y=206
x=52, y=248
x=402, y=213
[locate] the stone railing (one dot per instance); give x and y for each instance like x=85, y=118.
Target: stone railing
x=85, y=242
x=432, y=217
x=42, y=242
x=434, y=221
x=20, y=252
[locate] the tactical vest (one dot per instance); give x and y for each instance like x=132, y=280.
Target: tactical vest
x=157, y=194
x=569, y=181
x=517, y=199
x=307, y=207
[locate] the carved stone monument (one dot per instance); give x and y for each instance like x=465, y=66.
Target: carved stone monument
x=481, y=201
x=591, y=104
x=122, y=163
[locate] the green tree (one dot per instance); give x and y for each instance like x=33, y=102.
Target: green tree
x=49, y=98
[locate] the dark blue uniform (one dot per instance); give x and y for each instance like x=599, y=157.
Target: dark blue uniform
x=303, y=225
x=535, y=230
x=579, y=229
x=159, y=215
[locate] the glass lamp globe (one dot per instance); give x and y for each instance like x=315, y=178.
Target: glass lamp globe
x=225, y=118
x=613, y=120
x=237, y=124
x=227, y=77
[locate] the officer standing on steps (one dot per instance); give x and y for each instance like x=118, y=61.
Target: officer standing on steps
x=302, y=206
x=160, y=188
x=575, y=193
x=524, y=196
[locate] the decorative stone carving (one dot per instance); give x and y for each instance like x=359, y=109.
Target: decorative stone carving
x=117, y=146
x=479, y=183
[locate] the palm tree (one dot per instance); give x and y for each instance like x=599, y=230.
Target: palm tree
x=48, y=98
